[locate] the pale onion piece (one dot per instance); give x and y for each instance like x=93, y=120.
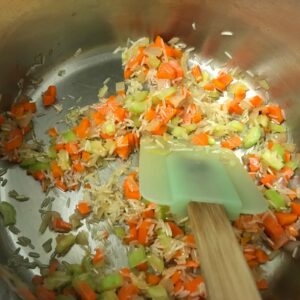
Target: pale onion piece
x=227, y=33
x=153, y=51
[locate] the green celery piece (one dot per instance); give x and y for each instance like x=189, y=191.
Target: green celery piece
x=140, y=96
x=236, y=126
x=75, y=269
x=119, y=231
x=162, y=211
x=165, y=240
x=293, y=164
x=57, y=280
x=263, y=120
x=52, y=152
x=278, y=149
x=275, y=199
x=108, y=295
x=158, y=292
x=109, y=282
x=64, y=243
x=69, y=136
x=63, y=159
x=272, y=159
x=8, y=213
x=166, y=92
x=211, y=140
x=252, y=137
x=180, y=132
x=136, y=257
x=214, y=95
x=87, y=263
x=190, y=127
x=109, y=127
x=39, y=166
x=153, y=61
x=27, y=162
x=156, y=263
x=276, y=128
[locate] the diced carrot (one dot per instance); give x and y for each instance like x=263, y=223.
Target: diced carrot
x=275, y=231
x=150, y=115
x=59, y=225
x=123, y=148
x=287, y=156
x=176, y=230
x=128, y=292
x=197, y=73
x=71, y=148
x=262, y=284
x=143, y=231
x=143, y=267
x=54, y=264
x=173, y=52
x=152, y=279
x=52, y=132
x=240, y=93
x=37, y=280
x=192, y=115
x=132, y=234
x=15, y=140
x=176, y=276
x=17, y=110
x=83, y=208
x=85, y=291
x=78, y=167
x=261, y=256
x=268, y=179
x=98, y=256
x=149, y=213
x=270, y=145
x=44, y=294
x=256, y=101
x=85, y=156
x=249, y=256
x=232, y=142
x=75, y=157
x=197, y=117
x=58, y=147
x=192, y=285
x=176, y=66
x=285, y=219
x=127, y=73
x=274, y=112
x=190, y=240
x=159, y=42
x=222, y=81
x=131, y=187
x=136, y=60
x=56, y=169
x=178, y=286
x=287, y=172
x=192, y=264
x=209, y=87
x=125, y=272
x=252, y=264
x=156, y=127
x=167, y=113
x=29, y=106
x=49, y=97
x=254, y=164
x=120, y=113
x=166, y=71
x=100, y=115
x=83, y=128
x=234, y=107
x=52, y=90
x=60, y=185
x=295, y=208
x=200, y=139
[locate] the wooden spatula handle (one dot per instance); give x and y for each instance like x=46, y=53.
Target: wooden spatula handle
x=227, y=275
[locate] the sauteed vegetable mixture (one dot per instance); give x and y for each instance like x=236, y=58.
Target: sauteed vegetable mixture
x=166, y=91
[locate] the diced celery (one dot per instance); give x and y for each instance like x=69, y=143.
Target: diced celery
x=211, y=140
x=205, y=76
x=153, y=61
x=75, y=269
x=166, y=92
x=275, y=199
x=165, y=241
x=278, y=149
x=39, y=166
x=214, y=95
x=176, y=120
x=137, y=107
x=85, y=277
x=137, y=122
x=276, y=128
x=158, y=292
x=179, y=132
x=140, y=96
x=162, y=211
x=108, y=295
x=109, y=282
x=263, y=120
x=272, y=159
x=87, y=263
x=63, y=159
x=234, y=87
x=293, y=164
x=57, y=280
x=69, y=136
x=27, y=162
x=52, y=152
x=82, y=238
x=156, y=263
x=252, y=137
x=136, y=256
x=220, y=130
x=8, y=213
x=119, y=231
x=95, y=147
x=236, y=126
x=190, y=127
x=108, y=127
x=64, y=243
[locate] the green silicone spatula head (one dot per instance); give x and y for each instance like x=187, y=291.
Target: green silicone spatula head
x=175, y=173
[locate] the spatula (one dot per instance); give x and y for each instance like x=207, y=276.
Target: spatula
x=211, y=186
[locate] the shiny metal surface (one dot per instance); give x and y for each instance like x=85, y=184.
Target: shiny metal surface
x=266, y=41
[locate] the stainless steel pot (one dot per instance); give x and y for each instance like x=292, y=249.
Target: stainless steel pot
x=265, y=41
